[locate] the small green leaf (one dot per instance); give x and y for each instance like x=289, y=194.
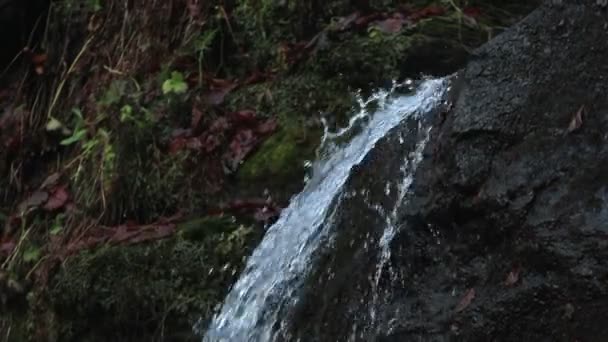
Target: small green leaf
x=56, y=229
x=57, y=225
x=114, y=93
x=126, y=113
x=95, y=5
x=176, y=84
x=76, y=137
x=32, y=254
x=78, y=113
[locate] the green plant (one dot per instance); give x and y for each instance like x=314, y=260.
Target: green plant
x=176, y=84
x=202, y=44
x=79, y=131
x=57, y=225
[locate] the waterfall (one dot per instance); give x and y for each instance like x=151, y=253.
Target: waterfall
x=254, y=307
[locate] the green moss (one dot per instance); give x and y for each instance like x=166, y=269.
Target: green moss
x=263, y=24
x=299, y=95
x=153, y=291
x=362, y=60
x=278, y=158
x=200, y=228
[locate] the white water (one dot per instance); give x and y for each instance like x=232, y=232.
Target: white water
x=272, y=276
x=408, y=170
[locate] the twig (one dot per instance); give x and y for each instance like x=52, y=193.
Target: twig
x=65, y=77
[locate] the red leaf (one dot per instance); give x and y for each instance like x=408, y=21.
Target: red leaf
x=39, y=58
x=219, y=125
x=242, y=143
x=177, y=145
x=244, y=117
x=219, y=89
x=210, y=142
x=472, y=12
x=466, y=300
x=426, y=12
x=197, y=115
x=58, y=198
x=267, y=127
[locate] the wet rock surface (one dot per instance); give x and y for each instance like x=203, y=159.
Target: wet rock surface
x=504, y=235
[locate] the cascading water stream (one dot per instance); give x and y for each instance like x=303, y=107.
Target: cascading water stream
x=274, y=272
x=407, y=171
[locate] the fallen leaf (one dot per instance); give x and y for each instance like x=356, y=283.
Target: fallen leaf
x=58, y=198
x=426, y=12
x=39, y=58
x=391, y=25
x=219, y=125
x=197, y=115
x=34, y=201
x=242, y=143
x=472, y=12
x=218, y=90
x=577, y=120
x=50, y=181
x=267, y=127
x=244, y=117
x=346, y=22
x=466, y=300
x=210, y=142
x=512, y=277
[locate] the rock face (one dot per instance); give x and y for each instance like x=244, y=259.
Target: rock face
x=505, y=238
x=505, y=234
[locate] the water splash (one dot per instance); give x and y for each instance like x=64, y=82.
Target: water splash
x=407, y=171
x=274, y=271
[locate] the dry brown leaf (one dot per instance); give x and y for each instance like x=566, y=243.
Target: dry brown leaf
x=466, y=300
x=50, y=181
x=577, y=120
x=57, y=199
x=512, y=277
x=34, y=201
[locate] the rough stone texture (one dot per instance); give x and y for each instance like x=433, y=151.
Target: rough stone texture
x=510, y=190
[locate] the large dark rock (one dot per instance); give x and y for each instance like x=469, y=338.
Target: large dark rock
x=505, y=234
x=512, y=208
